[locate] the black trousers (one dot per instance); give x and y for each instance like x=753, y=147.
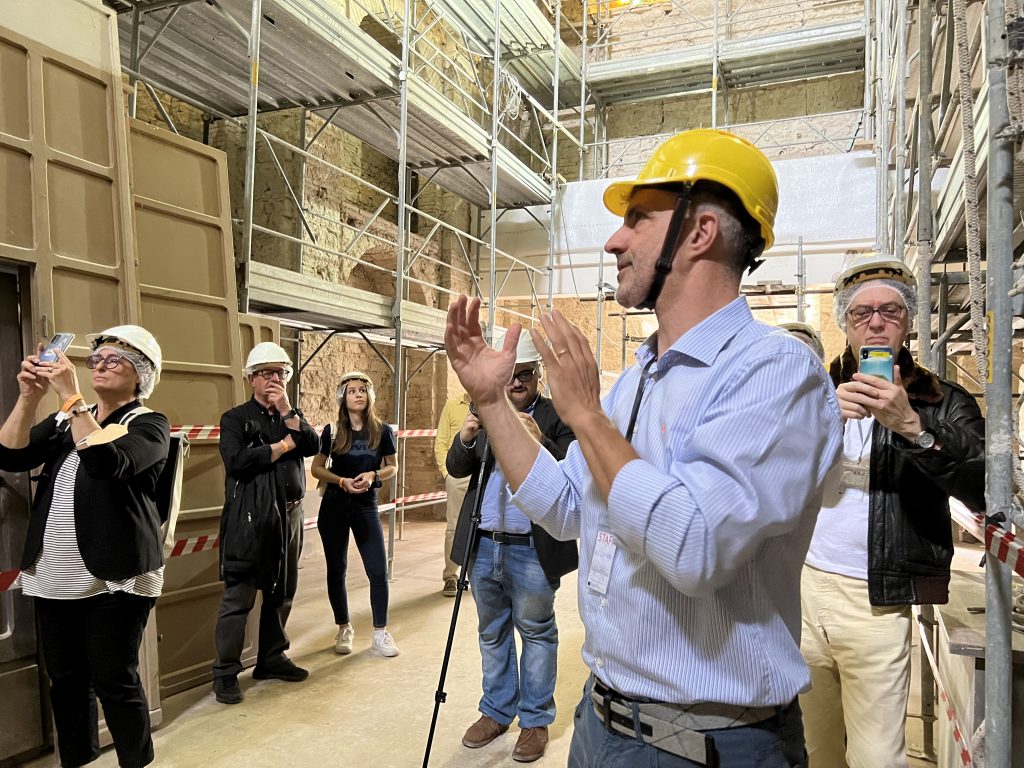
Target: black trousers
x=338, y=517
x=91, y=649
x=239, y=598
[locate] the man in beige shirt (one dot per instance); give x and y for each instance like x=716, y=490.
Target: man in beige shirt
x=452, y=416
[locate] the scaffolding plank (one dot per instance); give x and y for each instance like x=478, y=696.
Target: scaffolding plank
x=803, y=53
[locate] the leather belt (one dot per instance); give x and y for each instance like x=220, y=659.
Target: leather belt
x=500, y=537
x=674, y=728
x=290, y=505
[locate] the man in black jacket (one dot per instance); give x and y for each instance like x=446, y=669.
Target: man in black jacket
x=514, y=569
x=883, y=538
x=262, y=444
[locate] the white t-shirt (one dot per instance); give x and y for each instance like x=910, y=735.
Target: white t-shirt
x=840, y=541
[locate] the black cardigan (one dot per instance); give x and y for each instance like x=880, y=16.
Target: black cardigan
x=557, y=558
x=116, y=520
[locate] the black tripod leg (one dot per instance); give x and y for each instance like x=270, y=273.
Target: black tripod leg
x=474, y=523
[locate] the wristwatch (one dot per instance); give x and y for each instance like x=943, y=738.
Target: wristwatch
x=291, y=413
x=925, y=439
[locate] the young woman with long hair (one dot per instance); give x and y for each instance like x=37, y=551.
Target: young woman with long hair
x=356, y=455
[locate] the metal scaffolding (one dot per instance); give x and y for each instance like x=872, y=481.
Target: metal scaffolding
x=968, y=130
x=381, y=76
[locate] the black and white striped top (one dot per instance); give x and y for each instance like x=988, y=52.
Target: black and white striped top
x=60, y=573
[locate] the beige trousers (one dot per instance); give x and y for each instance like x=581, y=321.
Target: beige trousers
x=456, y=488
x=859, y=658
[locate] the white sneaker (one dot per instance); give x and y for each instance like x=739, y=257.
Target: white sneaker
x=343, y=641
x=384, y=643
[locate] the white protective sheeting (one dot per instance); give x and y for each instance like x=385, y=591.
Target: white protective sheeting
x=828, y=200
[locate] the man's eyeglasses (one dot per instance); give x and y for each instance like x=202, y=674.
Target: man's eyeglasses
x=524, y=377
x=891, y=313
x=269, y=373
x=110, y=363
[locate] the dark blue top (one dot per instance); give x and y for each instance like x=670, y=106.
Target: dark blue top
x=359, y=458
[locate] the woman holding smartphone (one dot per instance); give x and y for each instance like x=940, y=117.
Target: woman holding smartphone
x=356, y=455
x=93, y=559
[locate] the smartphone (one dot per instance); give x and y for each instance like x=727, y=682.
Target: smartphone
x=59, y=341
x=877, y=361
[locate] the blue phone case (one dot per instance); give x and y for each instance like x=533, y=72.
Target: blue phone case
x=877, y=361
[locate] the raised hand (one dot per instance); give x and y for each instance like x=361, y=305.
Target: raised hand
x=483, y=371
x=31, y=386
x=61, y=375
x=571, y=370
x=278, y=397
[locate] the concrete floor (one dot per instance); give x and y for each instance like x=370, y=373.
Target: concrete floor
x=366, y=710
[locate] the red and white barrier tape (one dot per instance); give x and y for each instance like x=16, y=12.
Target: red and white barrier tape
x=198, y=431
x=194, y=545
x=416, y=433
x=1000, y=543
x=958, y=734
x=207, y=543
x=212, y=431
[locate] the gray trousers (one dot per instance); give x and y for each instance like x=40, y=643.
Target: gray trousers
x=239, y=598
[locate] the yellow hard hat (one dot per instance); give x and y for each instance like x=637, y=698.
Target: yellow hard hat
x=711, y=155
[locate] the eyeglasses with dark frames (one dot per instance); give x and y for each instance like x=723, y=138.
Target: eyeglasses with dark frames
x=110, y=363
x=890, y=313
x=524, y=377
x=269, y=373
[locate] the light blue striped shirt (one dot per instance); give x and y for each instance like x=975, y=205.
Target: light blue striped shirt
x=737, y=429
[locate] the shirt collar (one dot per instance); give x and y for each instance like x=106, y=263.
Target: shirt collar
x=705, y=340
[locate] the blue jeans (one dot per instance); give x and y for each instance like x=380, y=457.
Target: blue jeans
x=511, y=590
x=774, y=743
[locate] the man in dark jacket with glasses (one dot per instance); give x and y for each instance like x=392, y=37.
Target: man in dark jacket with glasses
x=514, y=569
x=882, y=541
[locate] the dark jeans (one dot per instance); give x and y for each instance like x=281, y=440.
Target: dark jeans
x=91, y=649
x=774, y=743
x=239, y=598
x=338, y=516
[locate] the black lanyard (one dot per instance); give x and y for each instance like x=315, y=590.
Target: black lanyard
x=637, y=399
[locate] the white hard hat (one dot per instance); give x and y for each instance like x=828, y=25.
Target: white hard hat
x=353, y=376
x=267, y=352
x=526, y=352
x=874, y=267
x=134, y=336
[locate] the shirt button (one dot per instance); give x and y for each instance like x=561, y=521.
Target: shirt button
x=604, y=602
x=599, y=662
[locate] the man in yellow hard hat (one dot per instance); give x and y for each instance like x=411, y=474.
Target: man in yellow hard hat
x=693, y=487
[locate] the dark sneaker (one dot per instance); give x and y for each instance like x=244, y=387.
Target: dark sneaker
x=451, y=588
x=483, y=732
x=280, y=669
x=531, y=744
x=226, y=690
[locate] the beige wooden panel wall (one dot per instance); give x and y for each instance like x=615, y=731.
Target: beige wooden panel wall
x=63, y=189
x=188, y=300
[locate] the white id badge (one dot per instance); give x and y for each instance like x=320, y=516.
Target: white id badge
x=855, y=476
x=601, y=563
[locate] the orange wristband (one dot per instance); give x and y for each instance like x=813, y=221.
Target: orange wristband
x=70, y=401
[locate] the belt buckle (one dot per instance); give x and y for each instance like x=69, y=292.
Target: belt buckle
x=496, y=537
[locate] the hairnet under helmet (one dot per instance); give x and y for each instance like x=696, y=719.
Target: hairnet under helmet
x=142, y=350
x=844, y=298
x=143, y=368
x=355, y=376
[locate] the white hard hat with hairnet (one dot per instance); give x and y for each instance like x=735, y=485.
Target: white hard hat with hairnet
x=869, y=271
x=354, y=376
x=149, y=360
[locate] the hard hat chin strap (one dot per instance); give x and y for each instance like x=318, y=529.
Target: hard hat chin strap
x=668, y=250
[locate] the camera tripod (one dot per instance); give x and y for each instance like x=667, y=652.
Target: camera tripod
x=440, y=696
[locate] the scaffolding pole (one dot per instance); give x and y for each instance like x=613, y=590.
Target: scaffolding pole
x=899, y=237
x=999, y=456
x=250, y=154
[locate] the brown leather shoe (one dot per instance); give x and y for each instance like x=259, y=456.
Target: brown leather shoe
x=531, y=744
x=483, y=732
